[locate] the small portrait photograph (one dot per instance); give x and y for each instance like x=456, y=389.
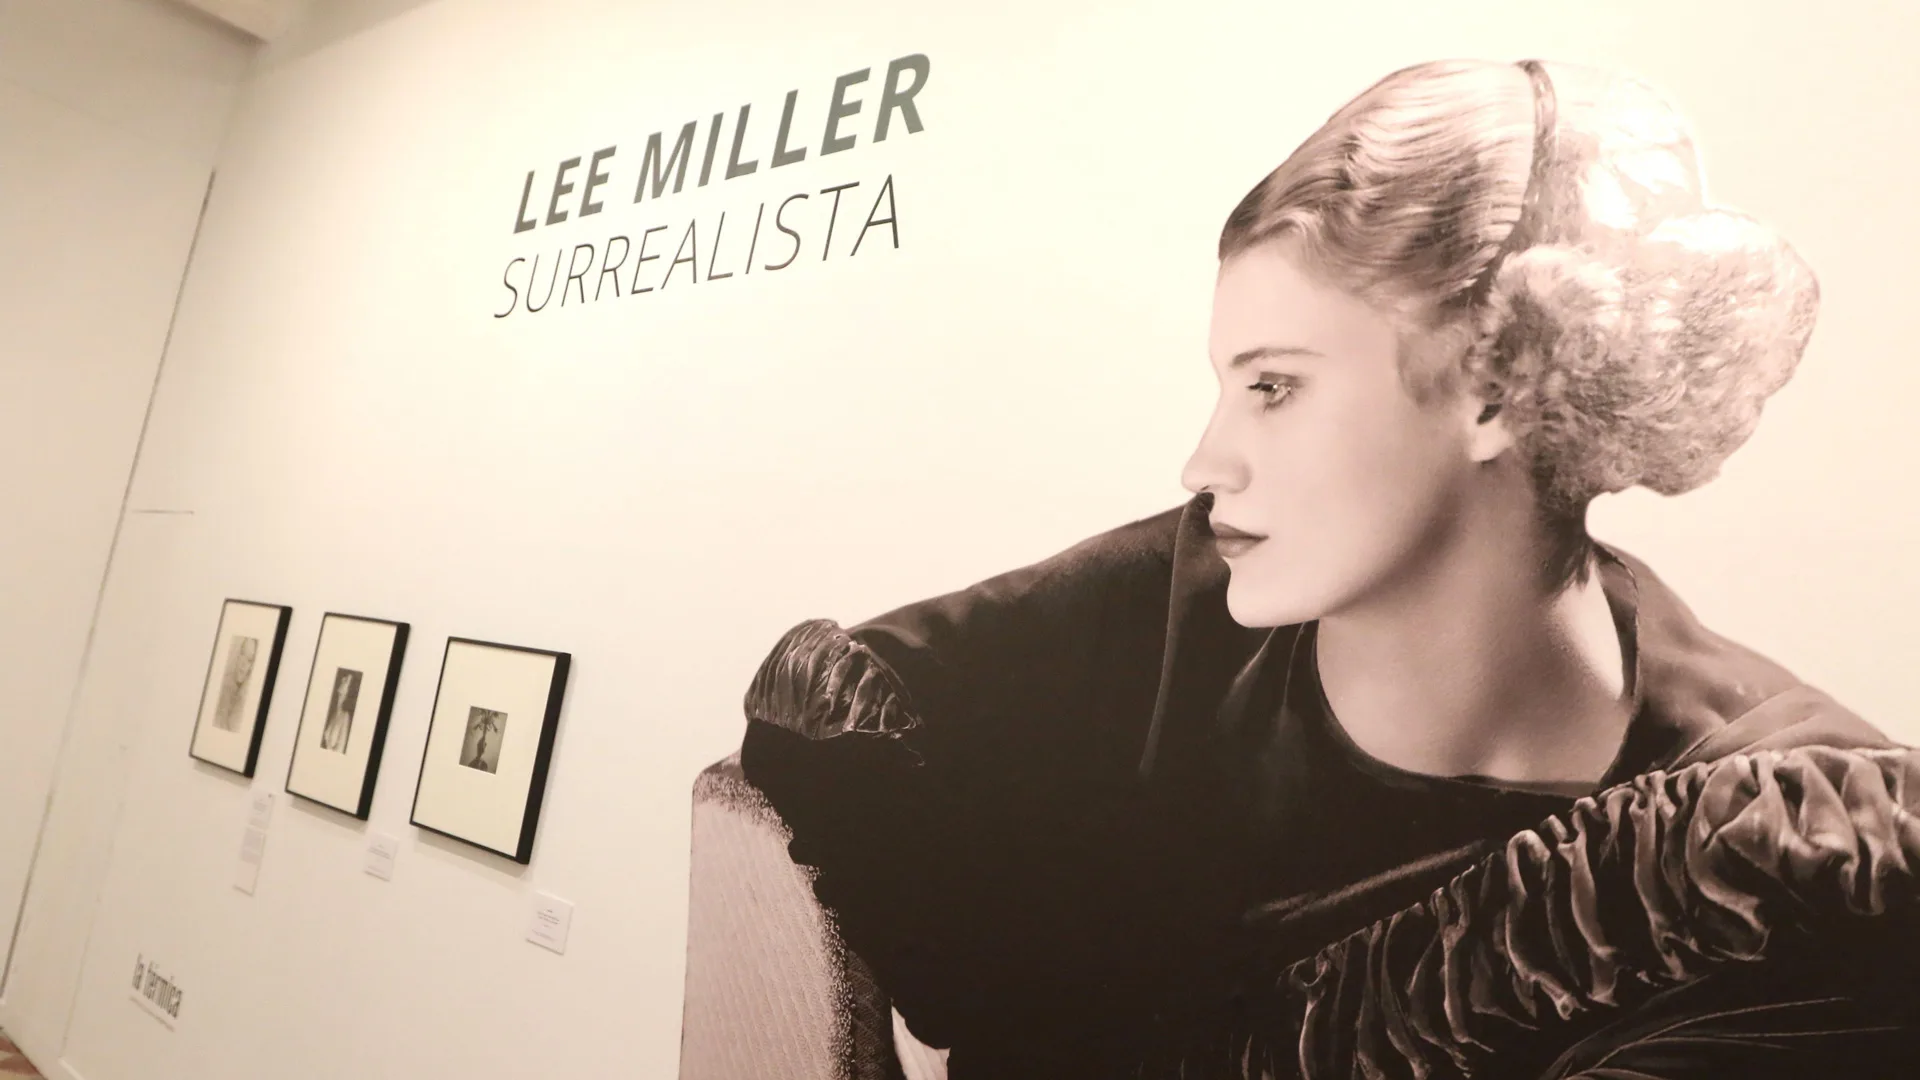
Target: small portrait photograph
x=346, y=694
x=343, y=723
x=237, y=688
x=241, y=652
x=485, y=727
x=482, y=779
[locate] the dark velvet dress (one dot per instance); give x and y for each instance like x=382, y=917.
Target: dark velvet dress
x=1079, y=823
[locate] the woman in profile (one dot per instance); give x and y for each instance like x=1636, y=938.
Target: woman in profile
x=1369, y=760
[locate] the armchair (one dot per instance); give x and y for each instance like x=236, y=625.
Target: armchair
x=771, y=992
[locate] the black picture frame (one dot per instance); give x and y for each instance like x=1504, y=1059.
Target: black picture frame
x=204, y=745
x=435, y=766
x=360, y=806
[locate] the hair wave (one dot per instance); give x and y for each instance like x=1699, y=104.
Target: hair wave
x=1636, y=335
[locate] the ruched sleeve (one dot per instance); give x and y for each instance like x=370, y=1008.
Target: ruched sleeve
x=819, y=682
x=1710, y=876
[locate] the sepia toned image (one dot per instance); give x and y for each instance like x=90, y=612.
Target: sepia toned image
x=341, y=740
x=485, y=729
x=241, y=652
x=346, y=695
x=1370, y=759
x=240, y=677
x=1249, y=540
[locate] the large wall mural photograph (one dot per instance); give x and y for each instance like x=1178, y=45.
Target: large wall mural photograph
x=1370, y=759
x=1224, y=541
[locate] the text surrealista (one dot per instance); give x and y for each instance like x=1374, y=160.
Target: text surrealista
x=840, y=219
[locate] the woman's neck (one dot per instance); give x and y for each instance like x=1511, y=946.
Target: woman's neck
x=1467, y=668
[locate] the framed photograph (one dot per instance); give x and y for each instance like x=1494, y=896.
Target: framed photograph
x=239, y=686
x=343, y=726
x=491, y=738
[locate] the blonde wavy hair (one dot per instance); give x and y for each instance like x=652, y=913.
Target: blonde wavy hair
x=1541, y=233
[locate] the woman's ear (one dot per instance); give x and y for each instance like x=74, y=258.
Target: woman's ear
x=1488, y=433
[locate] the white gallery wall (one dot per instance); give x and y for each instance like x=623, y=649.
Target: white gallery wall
x=111, y=115
x=662, y=482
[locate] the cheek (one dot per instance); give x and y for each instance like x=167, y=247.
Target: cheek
x=1357, y=478
x=1345, y=502
x=1361, y=451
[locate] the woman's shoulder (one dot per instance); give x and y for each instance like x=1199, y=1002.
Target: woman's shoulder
x=1703, y=694
x=1133, y=560
x=1029, y=641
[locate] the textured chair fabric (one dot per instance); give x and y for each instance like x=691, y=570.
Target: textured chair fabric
x=771, y=992
x=1485, y=962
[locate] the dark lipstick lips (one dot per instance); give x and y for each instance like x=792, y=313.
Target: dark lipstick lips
x=1229, y=541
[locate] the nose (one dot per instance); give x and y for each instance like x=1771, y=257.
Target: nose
x=1215, y=465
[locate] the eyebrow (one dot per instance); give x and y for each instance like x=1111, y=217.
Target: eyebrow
x=1265, y=352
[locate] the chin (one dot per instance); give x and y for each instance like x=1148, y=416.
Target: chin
x=1257, y=601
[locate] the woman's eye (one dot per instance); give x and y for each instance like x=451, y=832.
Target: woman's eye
x=1273, y=391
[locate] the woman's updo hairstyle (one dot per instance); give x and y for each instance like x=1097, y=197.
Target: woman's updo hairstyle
x=1541, y=231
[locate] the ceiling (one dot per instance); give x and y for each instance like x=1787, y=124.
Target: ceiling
x=261, y=19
